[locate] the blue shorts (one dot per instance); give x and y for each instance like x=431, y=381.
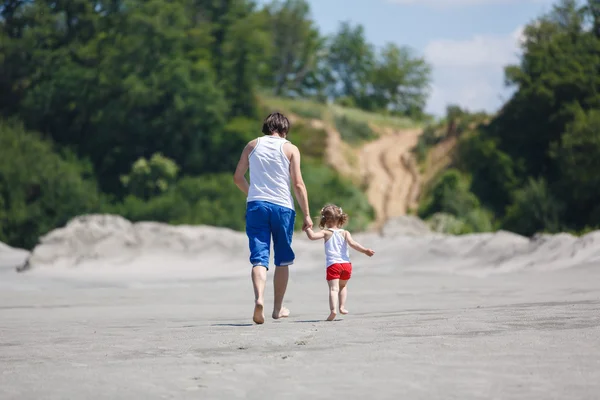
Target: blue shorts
x=263, y=221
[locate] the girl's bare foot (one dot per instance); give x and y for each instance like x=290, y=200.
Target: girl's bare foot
x=332, y=316
x=259, y=315
x=283, y=313
x=343, y=310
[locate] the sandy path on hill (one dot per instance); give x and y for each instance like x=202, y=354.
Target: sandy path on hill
x=391, y=175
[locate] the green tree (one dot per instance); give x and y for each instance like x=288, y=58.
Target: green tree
x=578, y=156
x=593, y=8
x=534, y=209
x=400, y=81
x=152, y=177
x=246, y=43
x=450, y=194
x=559, y=69
x=296, y=48
x=239, y=48
x=493, y=176
x=128, y=88
x=39, y=190
x=351, y=60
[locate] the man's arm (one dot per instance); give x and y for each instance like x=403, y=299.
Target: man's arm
x=239, y=177
x=314, y=236
x=299, y=186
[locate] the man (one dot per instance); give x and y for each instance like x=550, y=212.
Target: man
x=274, y=163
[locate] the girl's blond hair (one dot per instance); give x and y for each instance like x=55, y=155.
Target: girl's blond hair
x=333, y=214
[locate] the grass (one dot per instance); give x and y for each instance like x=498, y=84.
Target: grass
x=353, y=131
x=358, y=121
x=303, y=108
x=381, y=120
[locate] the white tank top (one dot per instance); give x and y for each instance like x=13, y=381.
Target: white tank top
x=336, y=248
x=270, y=172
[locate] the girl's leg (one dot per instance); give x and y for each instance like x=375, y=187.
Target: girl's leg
x=334, y=290
x=343, y=295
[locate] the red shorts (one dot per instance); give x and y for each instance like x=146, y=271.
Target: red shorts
x=339, y=271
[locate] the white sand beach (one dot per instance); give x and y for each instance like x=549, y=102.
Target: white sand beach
x=107, y=309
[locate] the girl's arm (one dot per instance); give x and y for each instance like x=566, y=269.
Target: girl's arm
x=357, y=246
x=315, y=236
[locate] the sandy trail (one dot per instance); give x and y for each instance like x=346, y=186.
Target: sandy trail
x=386, y=168
x=336, y=150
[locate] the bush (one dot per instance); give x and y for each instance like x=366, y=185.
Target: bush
x=452, y=208
x=451, y=195
x=534, y=209
x=167, y=208
x=39, y=189
x=324, y=186
x=447, y=224
x=311, y=142
x=345, y=101
x=150, y=177
x=204, y=200
x=428, y=138
x=492, y=171
x=353, y=131
x=479, y=220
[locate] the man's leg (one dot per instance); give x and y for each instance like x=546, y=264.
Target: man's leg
x=259, y=280
x=259, y=238
x=280, y=281
x=282, y=227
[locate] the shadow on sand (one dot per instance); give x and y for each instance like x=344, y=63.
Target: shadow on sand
x=233, y=325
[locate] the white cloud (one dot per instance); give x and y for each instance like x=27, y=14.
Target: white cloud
x=458, y=3
x=470, y=72
x=479, y=51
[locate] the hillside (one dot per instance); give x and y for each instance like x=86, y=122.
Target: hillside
x=372, y=150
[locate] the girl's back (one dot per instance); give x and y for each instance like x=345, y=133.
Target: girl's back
x=336, y=247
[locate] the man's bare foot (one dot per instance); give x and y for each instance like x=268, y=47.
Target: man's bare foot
x=259, y=315
x=283, y=313
x=343, y=311
x=332, y=316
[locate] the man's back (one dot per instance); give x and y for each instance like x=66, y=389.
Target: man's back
x=274, y=165
x=270, y=172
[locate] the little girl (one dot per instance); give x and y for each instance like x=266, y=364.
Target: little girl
x=339, y=268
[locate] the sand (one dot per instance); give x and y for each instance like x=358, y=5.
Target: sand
x=110, y=309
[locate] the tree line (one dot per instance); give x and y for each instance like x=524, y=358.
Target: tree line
x=165, y=91
x=534, y=166
x=141, y=108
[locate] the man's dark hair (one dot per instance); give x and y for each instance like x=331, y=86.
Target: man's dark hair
x=276, y=123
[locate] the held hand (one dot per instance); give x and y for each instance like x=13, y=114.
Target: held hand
x=369, y=252
x=308, y=224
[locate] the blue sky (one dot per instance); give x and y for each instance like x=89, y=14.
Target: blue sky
x=467, y=42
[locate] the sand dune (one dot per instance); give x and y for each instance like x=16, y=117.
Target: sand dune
x=107, y=243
